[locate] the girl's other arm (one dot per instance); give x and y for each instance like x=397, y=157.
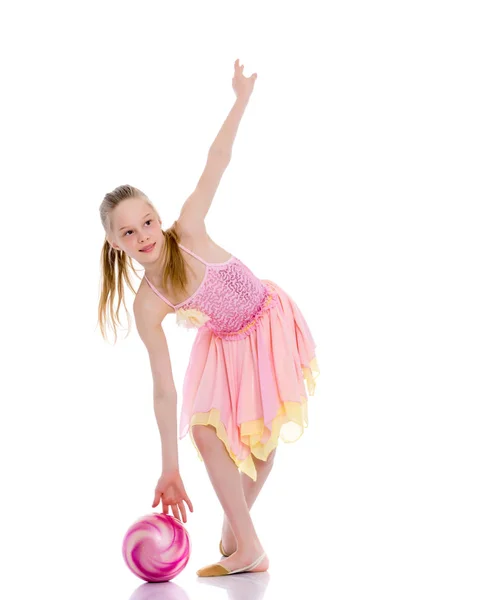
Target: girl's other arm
x=148, y=320
x=169, y=490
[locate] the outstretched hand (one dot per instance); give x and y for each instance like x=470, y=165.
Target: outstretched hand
x=243, y=86
x=171, y=491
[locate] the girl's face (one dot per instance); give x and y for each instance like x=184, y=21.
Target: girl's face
x=135, y=228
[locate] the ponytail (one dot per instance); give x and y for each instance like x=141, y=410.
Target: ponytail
x=174, y=272
x=115, y=265
x=114, y=269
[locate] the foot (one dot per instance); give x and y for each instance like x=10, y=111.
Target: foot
x=228, y=540
x=253, y=560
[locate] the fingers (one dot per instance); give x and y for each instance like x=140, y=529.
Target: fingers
x=175, y=500
x=183, y=511
x=185, y=498
x=167, y=504
x=188, y=501
x=174, y=510
x=156, y=499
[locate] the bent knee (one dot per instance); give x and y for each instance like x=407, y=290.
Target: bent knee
x=262, y=464
x=202, y=434
x=271, y=456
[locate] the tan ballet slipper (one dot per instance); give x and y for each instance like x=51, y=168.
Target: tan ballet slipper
x=218, y=570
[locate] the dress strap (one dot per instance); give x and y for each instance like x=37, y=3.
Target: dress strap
x=193, y=254
x=158, y=293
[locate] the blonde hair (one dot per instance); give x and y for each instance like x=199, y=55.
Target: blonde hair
x=116, y=266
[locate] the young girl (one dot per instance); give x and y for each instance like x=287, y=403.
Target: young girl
x=252, y=357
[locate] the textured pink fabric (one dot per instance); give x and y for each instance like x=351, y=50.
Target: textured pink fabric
x=246, y=374
x=250, y=378
x=229, y=294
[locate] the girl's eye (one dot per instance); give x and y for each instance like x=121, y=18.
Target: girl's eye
x=149, y=221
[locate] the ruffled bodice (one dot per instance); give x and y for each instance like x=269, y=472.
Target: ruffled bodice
x=229, y=300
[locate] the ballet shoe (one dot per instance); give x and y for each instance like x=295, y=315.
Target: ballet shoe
x=222, y=550
x=218, y=570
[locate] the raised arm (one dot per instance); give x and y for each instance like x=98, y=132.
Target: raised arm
x=197, y=205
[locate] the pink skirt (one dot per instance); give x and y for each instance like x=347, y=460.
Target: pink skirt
x=254, y=390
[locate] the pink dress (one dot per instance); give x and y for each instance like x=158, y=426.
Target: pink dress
x=252, y=363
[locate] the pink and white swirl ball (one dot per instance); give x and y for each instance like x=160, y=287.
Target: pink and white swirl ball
x=156, y=547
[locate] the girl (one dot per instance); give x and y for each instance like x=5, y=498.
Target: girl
x=252, y=356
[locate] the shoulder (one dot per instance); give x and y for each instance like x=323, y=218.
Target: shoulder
x=193, y=235
x=148, y=309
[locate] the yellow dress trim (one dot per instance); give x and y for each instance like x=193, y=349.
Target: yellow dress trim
x=252, y=432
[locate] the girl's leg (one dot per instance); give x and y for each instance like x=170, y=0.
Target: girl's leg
x=226, y=481
x=251, y=490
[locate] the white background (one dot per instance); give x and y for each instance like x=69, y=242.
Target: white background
x=353, y=185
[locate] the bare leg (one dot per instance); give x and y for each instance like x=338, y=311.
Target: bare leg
x=251, y=490
x=226, y=481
